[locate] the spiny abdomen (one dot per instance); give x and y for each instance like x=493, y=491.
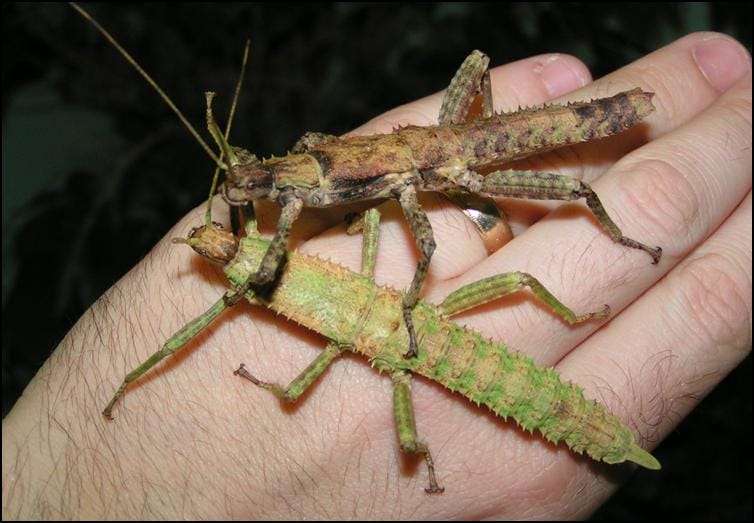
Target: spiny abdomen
x=511, y=385
x=516, y=135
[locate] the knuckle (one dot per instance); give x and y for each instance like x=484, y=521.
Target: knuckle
x=663, y=198
x=715, y=306
x=737, y=115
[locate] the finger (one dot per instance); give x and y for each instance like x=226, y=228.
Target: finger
x=686, y=76
x=669, y=349
x=673, y=192
x=640, y=386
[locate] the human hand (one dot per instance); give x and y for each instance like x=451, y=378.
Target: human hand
x=191, y=440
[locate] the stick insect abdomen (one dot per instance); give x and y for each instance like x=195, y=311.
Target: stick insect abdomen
x=337, y=170
x=508, y=383
x=516, y=135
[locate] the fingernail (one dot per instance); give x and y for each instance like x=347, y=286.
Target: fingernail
x=559, y=77
x=721, y=61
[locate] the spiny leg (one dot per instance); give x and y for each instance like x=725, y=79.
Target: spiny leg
x=311, y=139
x=302, y=382
x=471, y=80
x=403, y=407
x=425, y=241
x=548, y=186
x=275, y=254
x=176, y=341
x=494, y=287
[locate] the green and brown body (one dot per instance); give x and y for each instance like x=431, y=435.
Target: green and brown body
x=354, y=313
x=324, y=170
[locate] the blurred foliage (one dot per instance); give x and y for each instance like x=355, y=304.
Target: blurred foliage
x=96, y=169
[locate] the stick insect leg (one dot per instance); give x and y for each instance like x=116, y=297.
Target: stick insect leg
x=471, y=80
x=369, y=242
x=403, y=408
x=302, y=382
x=548, y=186
x=250, y=219
x=273, y=258
x=311, y=139
x=490, y=289
x=244, y=214
x=425, y=241
x=369, y=223
x=176, y=341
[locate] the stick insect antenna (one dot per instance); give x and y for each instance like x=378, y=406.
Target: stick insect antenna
x=145, y=75
x=239, y=83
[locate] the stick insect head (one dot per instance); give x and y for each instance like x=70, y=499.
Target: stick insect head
x=248, y=180
x=212, y=242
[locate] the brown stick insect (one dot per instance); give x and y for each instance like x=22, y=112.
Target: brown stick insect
x=323, y=170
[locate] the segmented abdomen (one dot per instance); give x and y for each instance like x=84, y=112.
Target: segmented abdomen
x=520, y=134
x=510, y=384
x=351, y=310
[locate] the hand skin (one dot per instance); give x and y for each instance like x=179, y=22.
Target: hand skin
x=190, y=440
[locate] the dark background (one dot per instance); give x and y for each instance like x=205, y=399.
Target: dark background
x=96, y=169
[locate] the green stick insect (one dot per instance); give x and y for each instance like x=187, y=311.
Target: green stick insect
x=357, y=315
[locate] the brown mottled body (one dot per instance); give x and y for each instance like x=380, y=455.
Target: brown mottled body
x=335, y=170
